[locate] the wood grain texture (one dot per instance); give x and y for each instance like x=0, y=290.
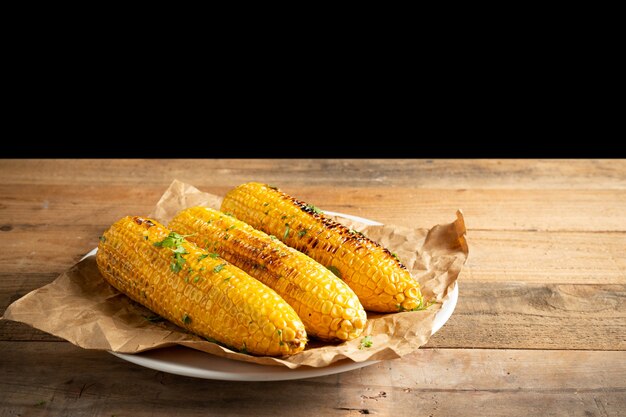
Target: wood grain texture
x=550, y=257
x=362, y=173
x=503, y=209
x=540, y=327
x=432, y=382
x=500, y=315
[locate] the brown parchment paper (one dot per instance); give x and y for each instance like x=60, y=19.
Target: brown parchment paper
x=82, y=308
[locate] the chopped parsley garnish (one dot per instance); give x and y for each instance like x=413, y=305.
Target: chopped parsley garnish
x=311, y=207
x=366, y=342
x=421, y=306
x=272, y=187
x=301, y=233
x=231, y=227
x=286, y=232
x=395, y=255
x=229, y=214
x=173, y=240
x=177, y=265
x=186, y=319
x=145, y=238
x=272, y=237
x=201, y=257
x=102, y=239
x=266, y=204
x=214, y=255
x=197, y=278
x=218, y=268
x=227, y=279
x=334, y=270
x=283, y=217
x=226, y=236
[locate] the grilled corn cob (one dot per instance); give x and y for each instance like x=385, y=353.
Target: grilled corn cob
x=182, y=283
x=379, y=279
x=327, y=306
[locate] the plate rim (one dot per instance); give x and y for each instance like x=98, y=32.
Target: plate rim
x=278, y=373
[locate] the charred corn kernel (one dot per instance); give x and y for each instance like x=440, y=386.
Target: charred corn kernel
x=359, y=261
x=158, y=269
x=312, y=290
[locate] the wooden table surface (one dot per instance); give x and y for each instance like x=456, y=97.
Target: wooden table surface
x=539, y=329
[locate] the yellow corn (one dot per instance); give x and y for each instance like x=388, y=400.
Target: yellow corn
x=327, y=306
x=379, y=279
x=210, y=297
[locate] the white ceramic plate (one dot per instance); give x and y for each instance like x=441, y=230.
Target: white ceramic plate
x=180, y=360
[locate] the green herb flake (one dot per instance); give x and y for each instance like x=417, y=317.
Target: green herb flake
x=175, y=267
x=231, y=227
x=145, y=238
x=214, y=255
x=186, y=319
x=366, y=342
x=266, y=204
x=102, y=239
x=395, y=255
x=218, y=268
x=201, y=257
x=197, y=278
x=243, y=349
x=286, y=232
x=272, y=237
x=301, y=233
x=312, y=208
x=227, y=279
x=40, y=403
x=420, y=307
x=226, y=236
x=283, y=217
x=172, y=240
x=272, y=187
x=334, y=270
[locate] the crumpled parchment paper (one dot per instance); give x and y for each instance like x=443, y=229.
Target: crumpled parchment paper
x=82, y=308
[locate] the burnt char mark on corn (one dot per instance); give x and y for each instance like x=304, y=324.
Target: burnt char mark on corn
x=328, y=307
x=141, y=220
x=221, y=302
x=357, y=239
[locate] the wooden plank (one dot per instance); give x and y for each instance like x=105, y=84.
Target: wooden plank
x=364, y=173
x=539, y=257
x=546, y=257
x=49, y=379
x=32, y=206
x=501, y=315
x=518, y=315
